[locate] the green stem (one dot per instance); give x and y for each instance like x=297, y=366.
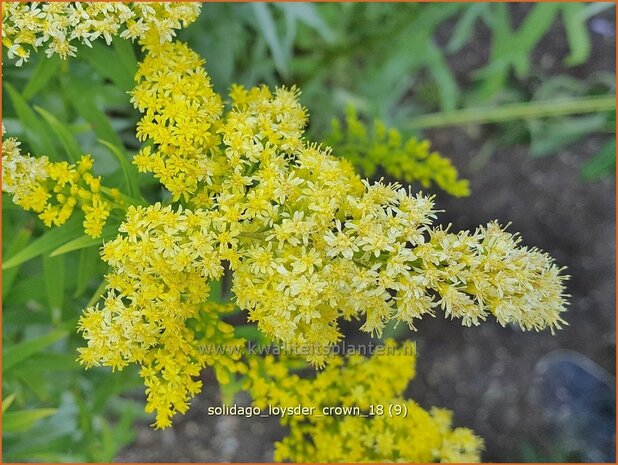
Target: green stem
x=515, y=111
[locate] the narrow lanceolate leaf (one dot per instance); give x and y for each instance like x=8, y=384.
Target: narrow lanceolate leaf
x=602, y=164
x=266, y=23
x=97, y=294
x=87, y=269
x=128, y=170
x=125, y=53
x=62, y=132
x=37, y=135
x=43, y=73
x=109, y=64
x=13, y=355
x=54, y=275
x=577, y=33
x=19, y=241
x=7, y=401
x=85, y=241
x=80, y=96
x=49, y=241
x=18, y=422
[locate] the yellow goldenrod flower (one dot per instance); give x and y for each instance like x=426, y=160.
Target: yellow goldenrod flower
x=157, y=288
x=53, y=189
x=308, y=242
x=379, y=426
x=59, y=25
x=382, y=148
x=181, y=116
x=370, y=249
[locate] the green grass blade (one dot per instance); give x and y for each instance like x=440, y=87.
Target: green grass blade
x=266, y=23
x=7, y=401
x=447, y=85
x=125, y=53
x=108, y=63
x=516, y=111
x=577, y=33
x=96, y=295
x=602, y=164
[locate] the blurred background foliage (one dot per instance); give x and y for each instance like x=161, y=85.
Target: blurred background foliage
x=399, y=63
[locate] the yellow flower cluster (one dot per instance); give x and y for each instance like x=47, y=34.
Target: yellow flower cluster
x=181, y=115
x=488, y=272
x=309, y=242
x=154, y=313
x=54, y=189
x=382, y=149
x=364, y=389
x=28, y=26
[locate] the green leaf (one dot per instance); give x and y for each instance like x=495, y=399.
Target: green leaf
x=308, y=14
x=27, y=288
x=71, y=147
x=37, y=134
x=128, y=170
x=18, y=243
x=7, y=401
x=85, y=241
x=45, y=69
x=547, y=137
x=125, y=53
x=577, y=33
x=97, y=294
x=229, y=390
x=35, y=381
x=602, y=164
x=249, y=332
x=447, y=86
x=20, y=352
x=88, y=261
x=216, y=291
x=54, y=275
x=534, y=27
x=18, y=422
x=49, y=241
x=50, y=361
x=465, y=24
x=78, y=92
x=111, y=386
x=108, y=63
x=267, y=25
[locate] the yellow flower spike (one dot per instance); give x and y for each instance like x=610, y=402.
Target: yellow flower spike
x=31, y=181
x=309, y=244
x=366, y=388
x=58, y=26
x=409, y=161
x=161, y=283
